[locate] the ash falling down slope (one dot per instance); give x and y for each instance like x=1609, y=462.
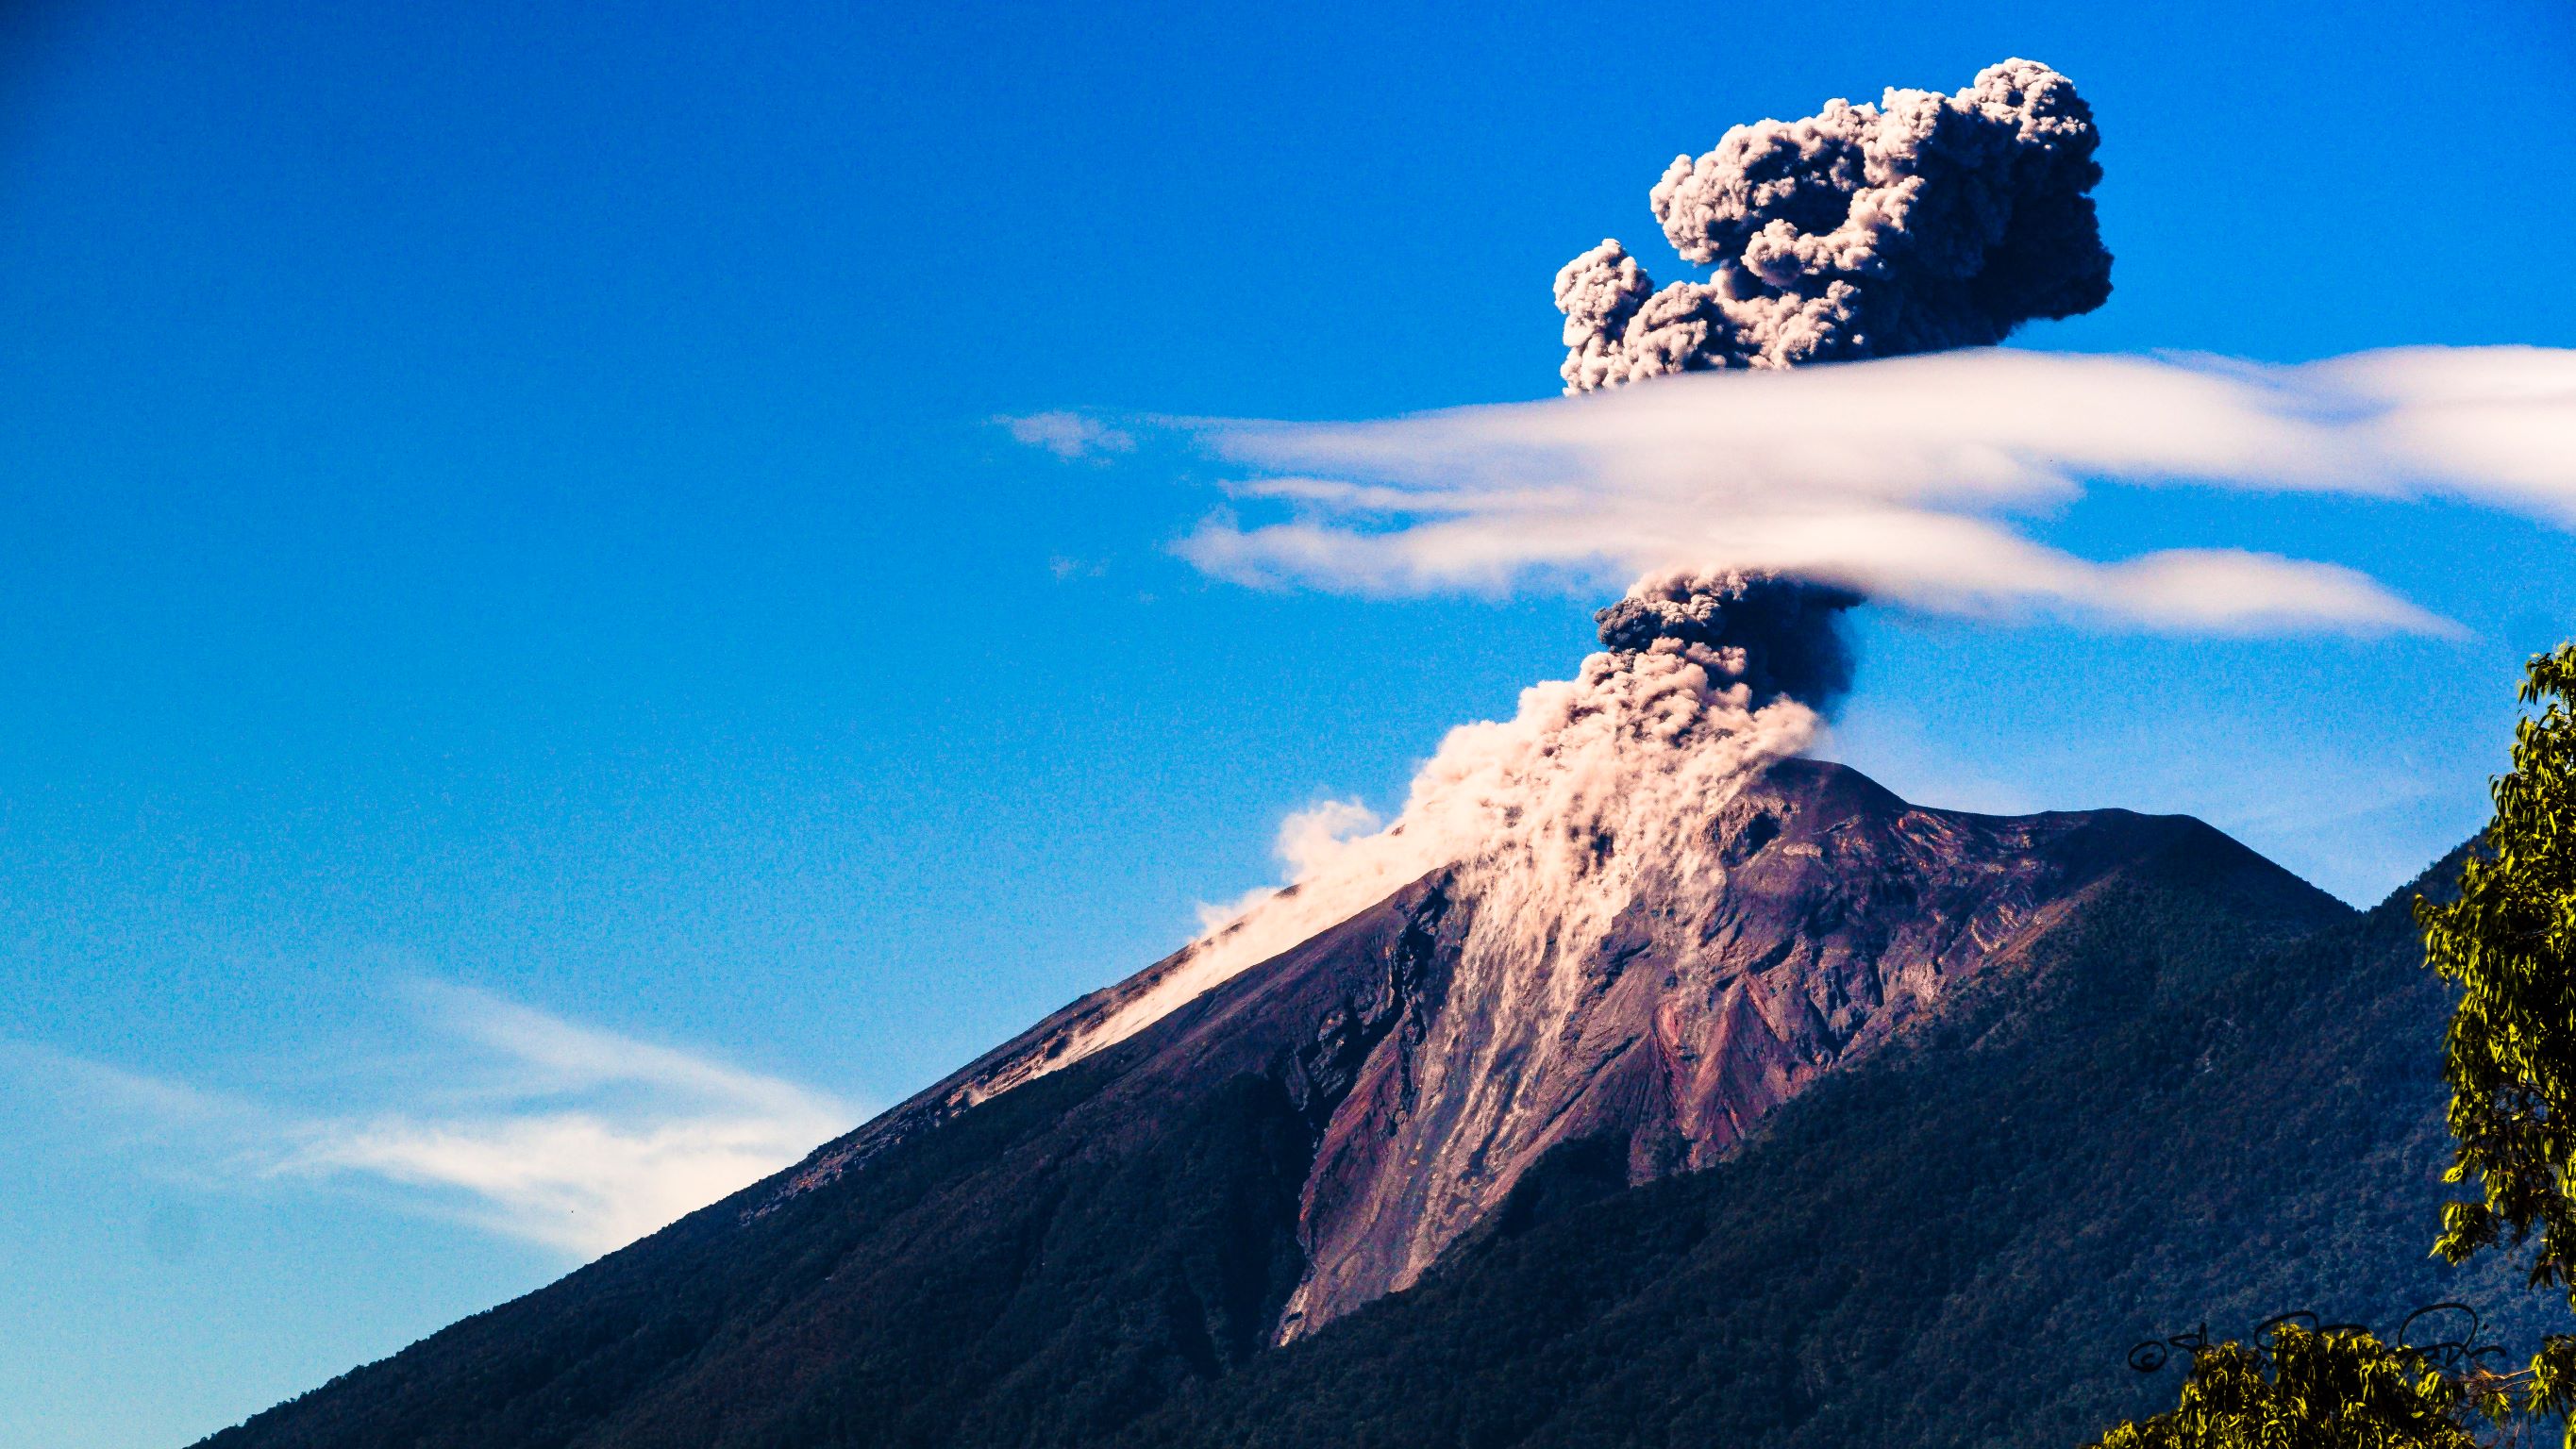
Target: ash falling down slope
x=1641, y=920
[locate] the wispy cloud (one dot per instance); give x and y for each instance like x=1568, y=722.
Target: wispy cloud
x=1907, y=479
x=567, y=1135
x=109, y=1109
x=512, y=1120
x=1068, y=435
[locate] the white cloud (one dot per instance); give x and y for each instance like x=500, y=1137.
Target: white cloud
x=565, y=1135
x=1905, y=478
x=514, y=1121
x=576, y=1181
x=1068, y=435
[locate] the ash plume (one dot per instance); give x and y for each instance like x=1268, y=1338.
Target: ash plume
x=1776, y=636
x=1921, y=223
x=1926, y=222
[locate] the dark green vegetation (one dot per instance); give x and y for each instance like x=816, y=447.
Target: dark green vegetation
x=2213, y=1097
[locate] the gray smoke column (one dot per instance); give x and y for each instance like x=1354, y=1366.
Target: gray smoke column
x=1778, y=637
x=1921, y=223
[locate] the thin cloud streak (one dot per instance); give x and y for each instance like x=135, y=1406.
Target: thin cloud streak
x=579, y=1139
x=1906, y=479
x=1068, y=435
x=578, y=1182
x=518, y=1123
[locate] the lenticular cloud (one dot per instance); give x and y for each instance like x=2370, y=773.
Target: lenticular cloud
x=1921, y=223
x=1910, y=480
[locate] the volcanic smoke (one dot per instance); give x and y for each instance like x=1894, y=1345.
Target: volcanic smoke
x=1921, y=223
x=1924, y=222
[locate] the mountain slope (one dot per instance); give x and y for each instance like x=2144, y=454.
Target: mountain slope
x=1956, y=1245
x=1028, y=1256
x=1034, y=1269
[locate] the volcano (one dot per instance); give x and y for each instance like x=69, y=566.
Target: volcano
x=1888, y=1068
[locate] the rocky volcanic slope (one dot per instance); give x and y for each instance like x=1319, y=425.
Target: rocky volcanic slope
x=1050, y=1263
x=1846, y=913
x=1957, y=1244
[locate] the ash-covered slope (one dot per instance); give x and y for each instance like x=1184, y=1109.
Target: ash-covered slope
x=1843, y=915
x=1024, y=1257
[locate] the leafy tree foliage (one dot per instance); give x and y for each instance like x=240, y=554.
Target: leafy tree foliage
x=2325, y=1389
x=2509, y=942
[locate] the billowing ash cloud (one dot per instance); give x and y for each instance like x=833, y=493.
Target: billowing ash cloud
x=1758, y=508
x=1598, y=790
x=1921, y=223
x=1775, y=636
x=1927, y=222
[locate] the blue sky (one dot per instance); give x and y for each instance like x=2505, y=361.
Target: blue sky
x=516, y=614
